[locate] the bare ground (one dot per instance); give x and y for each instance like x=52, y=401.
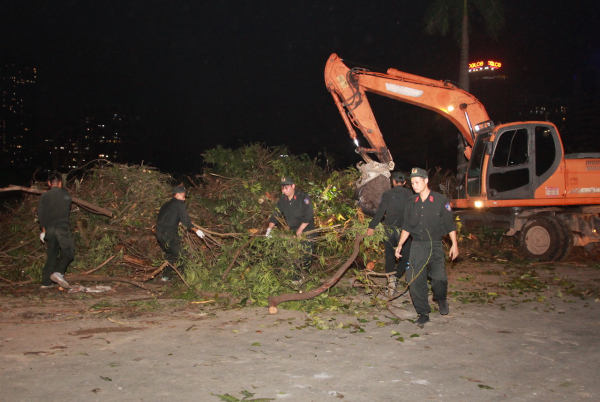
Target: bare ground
x=515, y=332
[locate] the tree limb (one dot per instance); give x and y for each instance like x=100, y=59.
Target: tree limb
x=83, y=204
x=235, y=258
x=99, y=266
x=274, y=301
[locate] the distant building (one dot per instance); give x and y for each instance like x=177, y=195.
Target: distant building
x=17, y=114
x=97, y=135
x=506, y=102
x=492, y=87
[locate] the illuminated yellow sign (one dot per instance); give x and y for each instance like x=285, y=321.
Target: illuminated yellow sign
x=481, y=64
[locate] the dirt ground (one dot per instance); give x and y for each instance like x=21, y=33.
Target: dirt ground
x=515, y=332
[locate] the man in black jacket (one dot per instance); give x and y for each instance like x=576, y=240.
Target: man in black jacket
x=428, y=217
x=392, y=205
x=296, y=207
x=171, y=215
x=53, y=212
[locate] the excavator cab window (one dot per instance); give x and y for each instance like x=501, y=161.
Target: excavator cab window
x=475, y=165
x=511, y=165
x=512, y=148
x=545, y=150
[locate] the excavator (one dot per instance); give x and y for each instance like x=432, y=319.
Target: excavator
x=517, y=178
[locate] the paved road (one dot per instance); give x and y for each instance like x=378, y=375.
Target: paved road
x=57, y=351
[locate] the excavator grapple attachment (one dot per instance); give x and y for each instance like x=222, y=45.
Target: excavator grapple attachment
x=374, y=182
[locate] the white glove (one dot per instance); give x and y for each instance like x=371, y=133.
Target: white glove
x=268, y=234
x=200, y=233
x=42, y=236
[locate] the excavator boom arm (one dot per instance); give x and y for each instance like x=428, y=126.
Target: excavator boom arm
x=348, y=87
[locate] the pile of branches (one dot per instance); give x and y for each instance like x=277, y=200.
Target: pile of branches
x=113, y=215
x=114, y=219
x=113, y=224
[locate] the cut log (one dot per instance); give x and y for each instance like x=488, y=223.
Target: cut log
x=275, y=300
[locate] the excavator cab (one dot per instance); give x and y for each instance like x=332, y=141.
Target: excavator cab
x=513, y=161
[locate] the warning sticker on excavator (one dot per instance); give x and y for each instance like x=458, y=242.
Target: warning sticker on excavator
x=342, y=81
x=552, y=192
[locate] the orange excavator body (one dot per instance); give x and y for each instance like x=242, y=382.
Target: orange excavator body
x=572, y=182
x=518, y=176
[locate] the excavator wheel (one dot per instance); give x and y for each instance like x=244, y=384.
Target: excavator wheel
x=369, y=195
x=568, y=241
x=543, y=238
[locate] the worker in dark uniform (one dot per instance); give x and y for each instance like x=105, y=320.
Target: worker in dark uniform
x=53, y=214
x=392, y=205
x=427, y=218
x=171, y=215
x=296, y=207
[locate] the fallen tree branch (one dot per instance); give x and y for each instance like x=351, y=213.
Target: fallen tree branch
x=83, y=204
x=97, y=278
x=4, y=279
x=217, y=234
x=155, y=272
x=274, y=301
x=208, y=233
x=99, y=266
x=180, y=275
x=235, y=258
x=19, y=246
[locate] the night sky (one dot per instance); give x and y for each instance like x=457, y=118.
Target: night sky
x=202, y=73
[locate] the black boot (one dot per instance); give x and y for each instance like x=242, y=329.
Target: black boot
x=443, y=307
x=422, y=320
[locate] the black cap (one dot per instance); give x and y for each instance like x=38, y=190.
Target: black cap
x=54, y=177
x=178, y=189
x=399, y=177
x=418, y=172
x=286, y=181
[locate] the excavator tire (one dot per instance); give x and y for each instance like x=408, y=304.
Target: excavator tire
x=543, y=238
x=568, y=242
x=369, y=195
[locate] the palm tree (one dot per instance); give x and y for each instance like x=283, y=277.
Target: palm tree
x=442, y=13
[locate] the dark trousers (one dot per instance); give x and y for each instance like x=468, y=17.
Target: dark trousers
x=427, y=260
x=393, y=238
x=171, y=245
x=60, y=251
x=308, y=249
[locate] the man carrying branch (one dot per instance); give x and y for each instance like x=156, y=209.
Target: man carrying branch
x=297, y=209
x=171, y=215
x=392, y=206
x=53, y=214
